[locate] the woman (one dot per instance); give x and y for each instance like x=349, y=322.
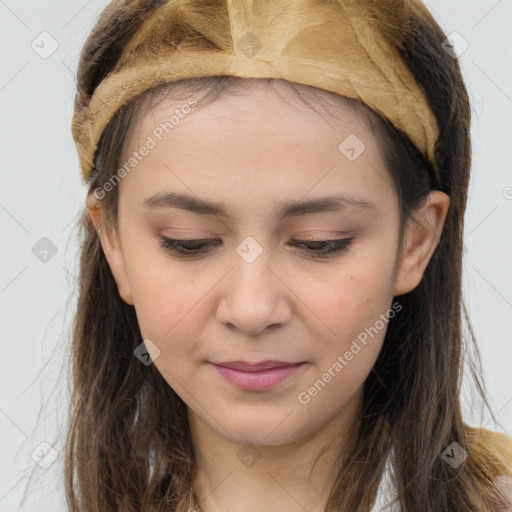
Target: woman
x=269, y=311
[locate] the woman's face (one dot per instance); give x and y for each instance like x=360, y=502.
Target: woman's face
x=251, y=175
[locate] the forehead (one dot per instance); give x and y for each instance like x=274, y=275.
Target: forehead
x=254, y=139
x=235, y=92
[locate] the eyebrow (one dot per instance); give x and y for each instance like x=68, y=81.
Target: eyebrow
x=286, y=209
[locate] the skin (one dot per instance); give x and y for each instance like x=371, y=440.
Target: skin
x=288, y=304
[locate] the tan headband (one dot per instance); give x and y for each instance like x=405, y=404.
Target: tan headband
x=335, y=46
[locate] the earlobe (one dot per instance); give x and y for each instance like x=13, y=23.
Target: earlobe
x=110, y=243
x=420, y=241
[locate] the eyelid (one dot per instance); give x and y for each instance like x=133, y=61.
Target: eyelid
x=324, y=249
x=323, y=236
x=318, y=235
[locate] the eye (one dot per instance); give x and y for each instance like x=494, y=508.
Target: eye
x=325, y=248
x=197, y=247
x=186, y=247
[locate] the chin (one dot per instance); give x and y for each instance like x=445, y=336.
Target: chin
x=263, y=429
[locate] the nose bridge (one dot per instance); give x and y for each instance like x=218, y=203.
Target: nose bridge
x=254, y=295
x=251, y=272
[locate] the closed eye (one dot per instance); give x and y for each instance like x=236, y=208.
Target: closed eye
x=197, y=247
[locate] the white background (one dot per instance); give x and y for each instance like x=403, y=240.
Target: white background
x=41, y=194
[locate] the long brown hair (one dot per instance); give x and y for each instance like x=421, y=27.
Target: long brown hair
x=128, y=444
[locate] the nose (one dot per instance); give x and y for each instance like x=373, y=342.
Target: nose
x=254, y=297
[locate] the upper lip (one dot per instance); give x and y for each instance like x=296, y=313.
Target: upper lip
x=254, y=367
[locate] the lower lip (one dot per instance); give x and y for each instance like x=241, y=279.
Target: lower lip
x=257, y=381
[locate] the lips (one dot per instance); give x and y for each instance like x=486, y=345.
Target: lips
x=261, y=376
x=255, y=367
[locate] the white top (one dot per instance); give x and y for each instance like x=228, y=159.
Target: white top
x=386, y=493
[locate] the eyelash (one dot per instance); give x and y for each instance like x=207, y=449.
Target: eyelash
x=183, y=247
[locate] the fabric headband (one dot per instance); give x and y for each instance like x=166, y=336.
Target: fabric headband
x=338, y=46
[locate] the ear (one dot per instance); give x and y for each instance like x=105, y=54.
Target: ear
x=109, y=238
x=420, y=240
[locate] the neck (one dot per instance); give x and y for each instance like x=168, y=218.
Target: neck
x=238, y=475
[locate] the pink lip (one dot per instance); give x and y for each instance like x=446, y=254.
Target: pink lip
x=254, y=367
x=256, y=377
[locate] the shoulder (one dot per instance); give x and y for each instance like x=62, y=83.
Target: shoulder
x=494, y=452
x=495, y=448
x=504, y=482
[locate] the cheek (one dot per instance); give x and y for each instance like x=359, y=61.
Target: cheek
x=348, y=302
x=168, y=309
x=166, y=297
x=355, y=310
x=171, y=314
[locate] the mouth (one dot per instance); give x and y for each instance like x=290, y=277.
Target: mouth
x=256, y=376
x=255, y=367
